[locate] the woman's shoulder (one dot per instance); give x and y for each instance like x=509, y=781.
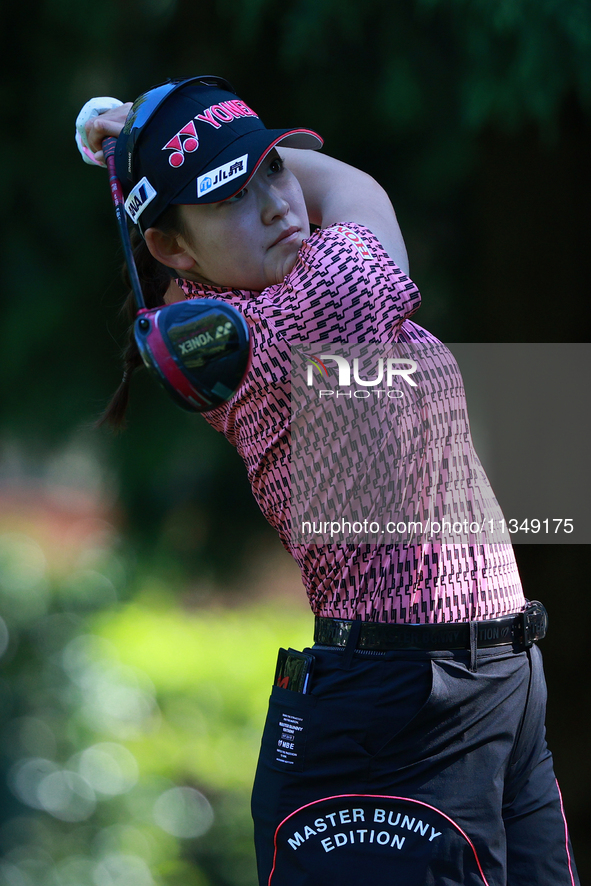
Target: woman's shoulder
x=343, y=286
x=353, y=236
x=342, y=252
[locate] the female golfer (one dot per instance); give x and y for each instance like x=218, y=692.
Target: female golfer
x=407, y=744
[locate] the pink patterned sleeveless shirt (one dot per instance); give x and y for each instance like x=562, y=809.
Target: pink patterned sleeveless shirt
x=344, y=288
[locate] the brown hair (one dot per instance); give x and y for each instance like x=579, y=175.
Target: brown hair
x=155, y=279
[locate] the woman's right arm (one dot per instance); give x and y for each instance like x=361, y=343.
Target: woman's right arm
x=336, y=192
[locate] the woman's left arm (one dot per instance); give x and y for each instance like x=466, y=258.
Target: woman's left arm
x=336, y=192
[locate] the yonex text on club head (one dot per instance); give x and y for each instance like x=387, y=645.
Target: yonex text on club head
x=198, y=350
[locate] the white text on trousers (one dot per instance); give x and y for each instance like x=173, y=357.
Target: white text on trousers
x=363, y=835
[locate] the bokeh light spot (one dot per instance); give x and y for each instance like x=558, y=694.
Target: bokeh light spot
x=183, y=812
x=119, y=869
x=75, y=870
x=109, y=768
x=67, y=796
x=25, y=777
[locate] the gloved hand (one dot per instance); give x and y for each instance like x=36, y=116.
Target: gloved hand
x=85, y=126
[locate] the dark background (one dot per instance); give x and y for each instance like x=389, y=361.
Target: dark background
x=475, y=116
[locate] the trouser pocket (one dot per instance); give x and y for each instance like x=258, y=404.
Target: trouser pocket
x=287, y=729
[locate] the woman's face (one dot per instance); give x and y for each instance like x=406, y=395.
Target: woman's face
x=250, y=241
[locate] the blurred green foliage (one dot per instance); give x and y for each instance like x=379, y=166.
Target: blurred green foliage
x=475, y=115
x=504, y=61
x=129, y=734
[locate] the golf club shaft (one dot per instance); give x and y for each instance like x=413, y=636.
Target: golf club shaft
x=119, y=204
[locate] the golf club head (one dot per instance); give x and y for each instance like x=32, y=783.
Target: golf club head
x=199, y=350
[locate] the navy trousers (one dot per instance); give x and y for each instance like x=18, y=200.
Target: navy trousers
x=411, y=768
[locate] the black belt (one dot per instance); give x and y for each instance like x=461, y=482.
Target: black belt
x=518, y=631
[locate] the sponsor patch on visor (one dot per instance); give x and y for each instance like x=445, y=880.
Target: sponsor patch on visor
x=139, y=198
x=215, y=178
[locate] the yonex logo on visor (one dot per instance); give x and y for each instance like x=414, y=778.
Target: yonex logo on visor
x=139, y=198
x=215, y=178
x=188, y=144
x=186, y=139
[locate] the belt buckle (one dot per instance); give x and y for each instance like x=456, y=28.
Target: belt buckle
x=534, y=623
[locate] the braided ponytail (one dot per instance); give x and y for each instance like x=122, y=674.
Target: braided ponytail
x=155, y=280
